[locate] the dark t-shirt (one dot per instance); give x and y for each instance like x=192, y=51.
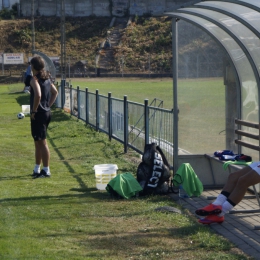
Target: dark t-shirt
x=45, y=86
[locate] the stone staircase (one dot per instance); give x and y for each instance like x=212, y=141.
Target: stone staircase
x=107, y=63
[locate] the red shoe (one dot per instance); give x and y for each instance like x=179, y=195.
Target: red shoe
x=211, y=219
x=211, y=209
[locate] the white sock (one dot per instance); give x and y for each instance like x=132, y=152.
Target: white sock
x=220, y=200
x=37, y=168
x=47, y=170
x=226, y=207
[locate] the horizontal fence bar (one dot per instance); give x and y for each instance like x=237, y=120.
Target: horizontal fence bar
x=251, y=146
x=243, y=133
x=247, y=134
x=246, y=123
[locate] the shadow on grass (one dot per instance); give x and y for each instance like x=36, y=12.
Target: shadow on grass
x=56, y=199
x=142, y=239
x=22, y=99
x=58, y=116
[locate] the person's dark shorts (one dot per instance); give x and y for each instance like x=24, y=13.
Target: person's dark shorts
x=39, y=126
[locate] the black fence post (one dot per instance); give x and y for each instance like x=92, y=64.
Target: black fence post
x=125, y=124
x=78, y=101
x=97, y=110
x=109, y=116
x=70, y=89
x=146, y=121
x=62, y=93
x=87, y=107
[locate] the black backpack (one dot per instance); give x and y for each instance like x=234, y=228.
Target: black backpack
x=153, y=173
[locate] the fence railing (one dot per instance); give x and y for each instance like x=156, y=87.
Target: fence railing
x=132, y=124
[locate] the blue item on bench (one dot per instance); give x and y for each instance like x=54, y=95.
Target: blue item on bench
x=236, y=157
x=228, y=157
x=223, y=152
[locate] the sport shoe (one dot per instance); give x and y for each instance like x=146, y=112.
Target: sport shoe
x=35, y=174
x=211, y=219
x=43, y=174
x=211, y=209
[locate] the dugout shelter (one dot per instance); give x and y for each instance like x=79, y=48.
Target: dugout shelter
x=224, y=106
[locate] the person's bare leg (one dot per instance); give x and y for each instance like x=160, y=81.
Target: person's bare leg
x=242, y=184
x=234, y=190
x=44, y=151
x=38, y=154
x=216, y=206
x=234, y=177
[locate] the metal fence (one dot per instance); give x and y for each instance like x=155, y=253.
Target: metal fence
x=132, y=124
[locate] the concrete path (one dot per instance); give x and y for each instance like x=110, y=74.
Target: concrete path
x=238, y=227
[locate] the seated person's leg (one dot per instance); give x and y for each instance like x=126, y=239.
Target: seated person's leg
x=232, y=193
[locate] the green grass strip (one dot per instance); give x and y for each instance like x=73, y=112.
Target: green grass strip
x=66, y=217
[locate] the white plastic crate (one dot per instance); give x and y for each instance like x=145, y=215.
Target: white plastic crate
x=26, y=109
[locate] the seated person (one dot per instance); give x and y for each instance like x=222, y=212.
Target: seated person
x=232, y=193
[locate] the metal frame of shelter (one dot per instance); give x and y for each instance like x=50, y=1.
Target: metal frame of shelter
x=235, y=25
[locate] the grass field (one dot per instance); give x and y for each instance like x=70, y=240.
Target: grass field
x=66, y=217
x=201, y=105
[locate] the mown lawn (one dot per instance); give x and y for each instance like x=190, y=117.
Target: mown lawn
x=201, y=104
x=66, y=217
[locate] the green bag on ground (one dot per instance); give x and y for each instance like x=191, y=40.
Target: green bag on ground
x=124, y=185
x=189, y=180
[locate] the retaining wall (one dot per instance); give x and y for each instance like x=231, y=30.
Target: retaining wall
x=101, y=7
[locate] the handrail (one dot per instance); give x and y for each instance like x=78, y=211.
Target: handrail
x=247, y=123
x=247, y=134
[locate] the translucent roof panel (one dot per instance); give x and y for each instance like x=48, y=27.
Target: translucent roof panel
x=249, y=15
x=246, y=36
x=236, y=26
x=239, y=58
x=251, y=2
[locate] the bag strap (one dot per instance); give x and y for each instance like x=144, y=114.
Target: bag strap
x=158, y=148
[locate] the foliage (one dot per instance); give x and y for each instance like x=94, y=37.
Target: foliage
x=146, y=44
x=83, y=36
x=9, y=14
x=23, y=35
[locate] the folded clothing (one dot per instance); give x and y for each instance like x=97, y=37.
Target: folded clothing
x=244, y=158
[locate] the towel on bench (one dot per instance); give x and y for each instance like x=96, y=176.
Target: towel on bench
x=226, y=164
x=189, y=180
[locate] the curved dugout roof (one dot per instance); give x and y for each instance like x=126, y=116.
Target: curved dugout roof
x=236, y=26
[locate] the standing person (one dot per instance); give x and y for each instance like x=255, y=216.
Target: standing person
x=43, y=95
x=232, y=193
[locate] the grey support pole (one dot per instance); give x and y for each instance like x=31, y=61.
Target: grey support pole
x=78, y=102
x=97, y=110
x=125, y=124
x=146, y=121
x=175, y=93
x=110, y=116
x=87, y=106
